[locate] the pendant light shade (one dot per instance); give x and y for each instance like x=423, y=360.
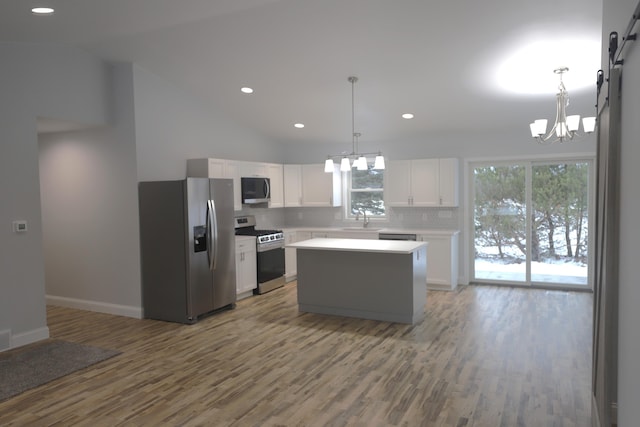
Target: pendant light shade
x=328, y=165
x=345, y=164
x=379, y=163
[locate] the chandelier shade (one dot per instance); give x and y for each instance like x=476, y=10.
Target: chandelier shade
x=565, y=127
x=354, y=159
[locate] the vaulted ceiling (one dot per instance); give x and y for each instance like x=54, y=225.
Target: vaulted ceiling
x=457, y=65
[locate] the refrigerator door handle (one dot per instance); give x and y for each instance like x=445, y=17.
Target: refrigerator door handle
x=209, y=234
x=213, y=219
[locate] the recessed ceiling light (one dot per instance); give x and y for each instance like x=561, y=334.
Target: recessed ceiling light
x=298, y=125
x=42, y=10
x=407, y=116
x=246, y=90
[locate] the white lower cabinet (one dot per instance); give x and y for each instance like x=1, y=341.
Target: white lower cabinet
x=442, y=260
x=290, y=258
x=246, y=266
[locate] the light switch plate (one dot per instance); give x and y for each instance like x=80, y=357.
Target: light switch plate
x=20, y=226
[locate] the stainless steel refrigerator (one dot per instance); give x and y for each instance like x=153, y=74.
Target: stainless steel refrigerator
x=187, y=245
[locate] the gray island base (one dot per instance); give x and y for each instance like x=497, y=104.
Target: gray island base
x=369, y=279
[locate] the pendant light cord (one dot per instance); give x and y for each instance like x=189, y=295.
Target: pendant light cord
x=353, y=81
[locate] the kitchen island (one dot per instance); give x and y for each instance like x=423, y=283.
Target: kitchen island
x=370, y=279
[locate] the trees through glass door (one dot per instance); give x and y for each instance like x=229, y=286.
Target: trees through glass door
x=531, y=223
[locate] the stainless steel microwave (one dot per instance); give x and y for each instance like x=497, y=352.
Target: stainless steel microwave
x=255, y=190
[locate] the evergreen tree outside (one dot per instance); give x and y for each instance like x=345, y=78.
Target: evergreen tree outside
x=559, y=222
x=367, y=192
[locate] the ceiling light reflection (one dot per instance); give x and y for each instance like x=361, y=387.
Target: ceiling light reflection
x=526, y=71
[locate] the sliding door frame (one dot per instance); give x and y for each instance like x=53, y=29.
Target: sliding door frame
x=528, y=163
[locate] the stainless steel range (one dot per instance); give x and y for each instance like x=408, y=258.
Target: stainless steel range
x=270, y=257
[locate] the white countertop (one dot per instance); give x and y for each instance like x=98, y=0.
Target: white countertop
x=376, y=230
x=360, y=245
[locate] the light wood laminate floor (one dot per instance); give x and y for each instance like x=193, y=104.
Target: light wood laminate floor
x=483, y=356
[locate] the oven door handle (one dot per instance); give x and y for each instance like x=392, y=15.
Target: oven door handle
x=270, y=246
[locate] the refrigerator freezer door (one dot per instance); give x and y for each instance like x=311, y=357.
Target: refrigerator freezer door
x=224, y=271
x=162, y=249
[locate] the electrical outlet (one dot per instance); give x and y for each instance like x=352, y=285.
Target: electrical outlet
x=300, y=215
x=425, y=217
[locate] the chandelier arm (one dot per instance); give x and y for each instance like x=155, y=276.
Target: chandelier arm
x=559, y=114
x=560, y=128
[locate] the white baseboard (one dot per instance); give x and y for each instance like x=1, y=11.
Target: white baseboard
x=24, y=338
x=97, y=306
x=5, y=339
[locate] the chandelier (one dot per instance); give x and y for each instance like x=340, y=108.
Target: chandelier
x=354, y=159
x=565, y=127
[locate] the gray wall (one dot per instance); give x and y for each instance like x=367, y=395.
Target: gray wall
x=35, y=81
x=88, y=185
x=617, y=14
x=172, y=126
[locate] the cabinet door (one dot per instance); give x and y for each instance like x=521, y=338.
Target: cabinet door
x=253, y=169
x=319, y=187
x=232, y=170
x=449, y=182
x=442, y=265
x=275, y=175
x=397, y=190
x=425, y=182
x=292, y=185
x=246, y=266
x=290, y=258
x=206, y=168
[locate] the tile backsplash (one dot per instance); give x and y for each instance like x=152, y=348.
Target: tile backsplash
x=428, y=218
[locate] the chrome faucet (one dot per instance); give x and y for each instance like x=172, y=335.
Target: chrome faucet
x=365, y=224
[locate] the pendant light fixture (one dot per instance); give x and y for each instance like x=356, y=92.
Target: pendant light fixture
x=354, y=159
x=565, y=127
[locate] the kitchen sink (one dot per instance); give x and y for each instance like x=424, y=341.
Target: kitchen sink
x=361, y=229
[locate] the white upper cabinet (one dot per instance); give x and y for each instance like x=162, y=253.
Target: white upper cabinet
x=449, y=187
x=422, y=182
x=218, y=168
x=233, y=169
x=275, y=175
x=292, y=185
x=320, y=188
x=206, y=168
x=310, y=185
x=253, y=169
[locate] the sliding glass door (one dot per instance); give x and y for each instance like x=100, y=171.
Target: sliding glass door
x=531, y=223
